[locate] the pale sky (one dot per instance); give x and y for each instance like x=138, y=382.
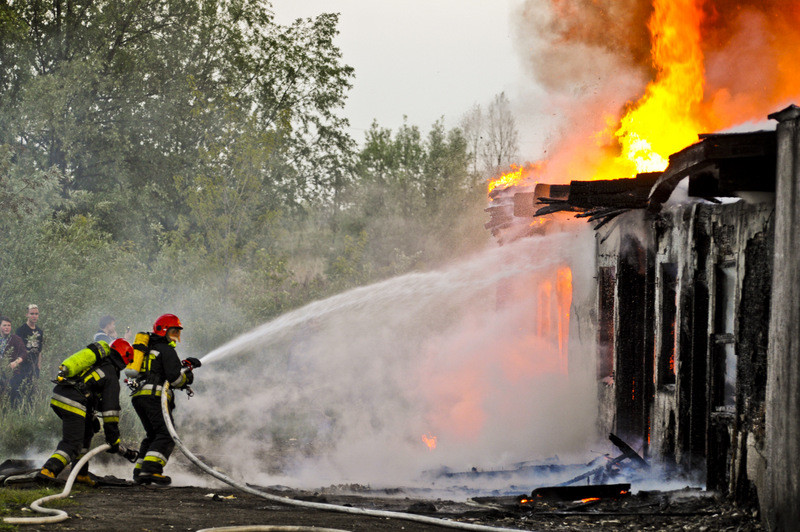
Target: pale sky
x=426, y=59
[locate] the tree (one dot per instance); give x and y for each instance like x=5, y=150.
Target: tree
x=472, y=125
x=394, y=164
x=500, y=145
x=445, y=168
x=409, y=195
x=122, y=96
x=231, y=204
x=23, y=190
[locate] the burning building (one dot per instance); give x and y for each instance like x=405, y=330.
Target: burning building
x=695, y=307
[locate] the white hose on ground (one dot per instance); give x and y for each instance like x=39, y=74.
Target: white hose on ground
x=56, y=516
x=306, y=504
x=270, y=528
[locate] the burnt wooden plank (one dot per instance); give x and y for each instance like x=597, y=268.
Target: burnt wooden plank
x=574, y=493
x=630, y=192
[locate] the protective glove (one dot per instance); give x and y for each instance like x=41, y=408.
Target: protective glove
x=95, y=425
x=192, y=362
x=114, y=449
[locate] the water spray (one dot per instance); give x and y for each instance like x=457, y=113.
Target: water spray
x=343, y=387
x=467, y=277
x=307, y=504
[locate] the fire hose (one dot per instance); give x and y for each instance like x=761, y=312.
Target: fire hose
x=306, y=504
x=56, y=516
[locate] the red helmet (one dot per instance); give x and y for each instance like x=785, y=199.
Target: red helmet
x=121, y=346
x=164, y=322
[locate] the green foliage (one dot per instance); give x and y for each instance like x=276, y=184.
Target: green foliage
x=31, y=427
x=189, y=157
x=414, y=200
x=348, y=267
x=12, y=501
x=23, y=189
x=120, y=96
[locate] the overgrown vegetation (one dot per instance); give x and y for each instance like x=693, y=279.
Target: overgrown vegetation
x=13, y=500
x=190, y=156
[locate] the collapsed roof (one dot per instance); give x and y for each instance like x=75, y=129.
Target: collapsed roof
x=719, y=165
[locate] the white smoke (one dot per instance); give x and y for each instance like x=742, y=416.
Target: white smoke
x=342, y=390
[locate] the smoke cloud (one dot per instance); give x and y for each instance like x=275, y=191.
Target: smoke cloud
x=343, y=390
x=593, y=58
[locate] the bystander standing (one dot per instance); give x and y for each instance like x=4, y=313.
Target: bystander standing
x=33, y=337
x=108, y=331
x=12, y=355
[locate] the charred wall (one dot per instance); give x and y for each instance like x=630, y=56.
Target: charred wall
x=716, y=257
x=687, y=345
x=739, y=271
x=624, y=288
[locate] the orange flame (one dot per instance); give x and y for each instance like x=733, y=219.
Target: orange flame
x=508, y=179
x=715, y=64
x=553, y=313
x=564, y=293
x=430, y=441
x=590, y=499
x=517, y=175
x=663, y=120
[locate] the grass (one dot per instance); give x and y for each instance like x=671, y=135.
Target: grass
x=13, y=500
x=28, y=427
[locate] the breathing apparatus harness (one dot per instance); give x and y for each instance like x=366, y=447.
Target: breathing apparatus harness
x=141, y=374
x=74, y=369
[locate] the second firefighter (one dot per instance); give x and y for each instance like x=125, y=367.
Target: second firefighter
x=87, y=382
x=161, y=363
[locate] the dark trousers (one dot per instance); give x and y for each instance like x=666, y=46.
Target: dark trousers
x=76, y=437
x=19, y=386
x=157, y=444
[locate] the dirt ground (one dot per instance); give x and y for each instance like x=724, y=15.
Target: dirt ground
x=139, y=508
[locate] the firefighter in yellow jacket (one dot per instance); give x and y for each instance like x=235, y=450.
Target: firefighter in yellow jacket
x=87, y=382
x=160, y=364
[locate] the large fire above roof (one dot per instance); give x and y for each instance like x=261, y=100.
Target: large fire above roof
x=704, y=66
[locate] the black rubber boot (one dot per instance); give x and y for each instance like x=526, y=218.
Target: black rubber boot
x=87, y=479
x=45, y=477
x=153, y=478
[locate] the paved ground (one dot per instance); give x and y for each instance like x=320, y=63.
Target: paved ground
x=138, y=508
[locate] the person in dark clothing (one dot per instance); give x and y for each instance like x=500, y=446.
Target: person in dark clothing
x=160, y=364
x=33, y=336
x=12, y=356
x=87, y=382
x=107, y=331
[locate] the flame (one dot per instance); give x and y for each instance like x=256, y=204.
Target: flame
x=564, y=296
x=714, y=63
x=590, y=499
x=506, y=180
x=664, y=121
x=430, y=441
x=517, y=175
x=555, y=299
